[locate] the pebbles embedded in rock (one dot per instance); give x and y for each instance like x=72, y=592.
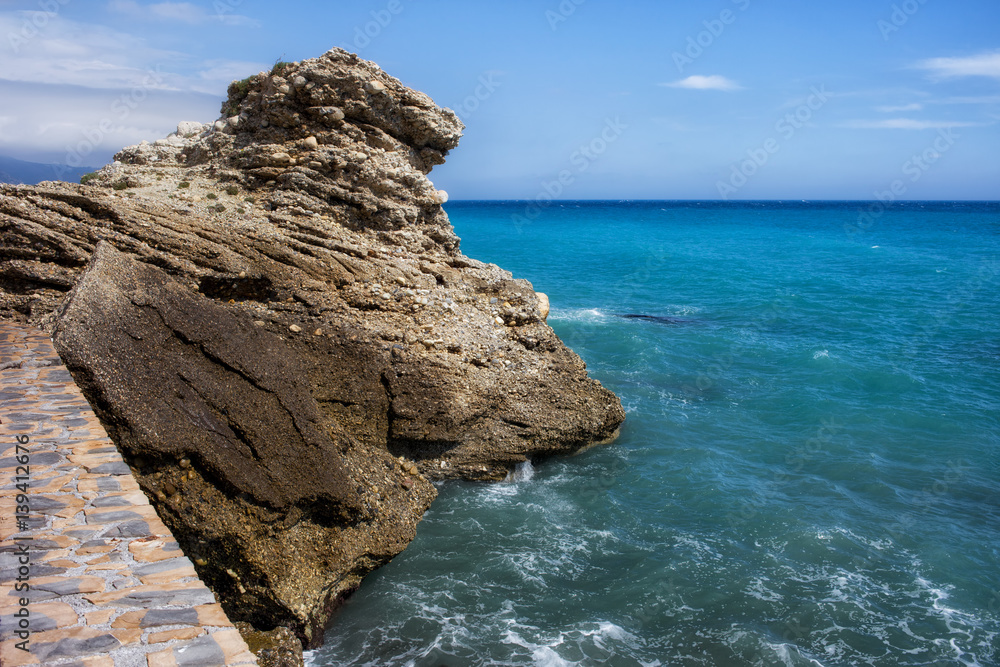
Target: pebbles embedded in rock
x=295, y=328
x=311, y=143
x=329, y=115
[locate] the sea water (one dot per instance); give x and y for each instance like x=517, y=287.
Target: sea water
x=810, y=469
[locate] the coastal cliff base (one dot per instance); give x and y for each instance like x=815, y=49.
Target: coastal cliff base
x=273, y=320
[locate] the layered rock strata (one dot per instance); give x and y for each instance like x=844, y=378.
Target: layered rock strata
x=272, y=318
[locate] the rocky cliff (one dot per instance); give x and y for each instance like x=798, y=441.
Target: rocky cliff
x=273, y=319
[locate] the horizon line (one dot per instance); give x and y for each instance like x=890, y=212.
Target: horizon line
x=787, y=200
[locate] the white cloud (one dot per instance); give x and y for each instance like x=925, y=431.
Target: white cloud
x=4, y=122
x=69, y=52
x=897, y=109
x=698, y=82
x=983, y=64
x=96, y=56
x=51, y=123
x=80, y=91
x=907, y=124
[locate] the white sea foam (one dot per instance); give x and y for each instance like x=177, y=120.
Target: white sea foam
x=683, y=310
x=586, y=315
x=790, y=655
x=759, y=589
x=821, y=354
x=522, y=472
x=592, y=642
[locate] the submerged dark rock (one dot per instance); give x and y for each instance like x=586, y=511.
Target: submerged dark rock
x=273, y=320
x=654, y=318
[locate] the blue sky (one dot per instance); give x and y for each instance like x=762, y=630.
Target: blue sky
x=580, y=99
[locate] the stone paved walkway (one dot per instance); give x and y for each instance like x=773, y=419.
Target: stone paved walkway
x=89, y=575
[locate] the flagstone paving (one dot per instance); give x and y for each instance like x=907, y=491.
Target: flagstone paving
x=89, y=575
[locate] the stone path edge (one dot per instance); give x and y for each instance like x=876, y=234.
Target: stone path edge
x=89, y=575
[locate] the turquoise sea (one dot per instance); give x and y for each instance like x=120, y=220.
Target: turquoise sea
x=810, y=469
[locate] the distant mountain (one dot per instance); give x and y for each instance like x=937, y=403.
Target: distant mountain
x=30, y=173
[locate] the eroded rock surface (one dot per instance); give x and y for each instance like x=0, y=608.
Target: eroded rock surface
x=272, y=317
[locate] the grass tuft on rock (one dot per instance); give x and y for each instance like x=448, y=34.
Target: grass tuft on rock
x=238, y=91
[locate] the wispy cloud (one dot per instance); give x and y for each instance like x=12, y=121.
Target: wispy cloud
x=907, y=124
x=86, y=89
x=981, y=99
x=181, y=12
x=215, y=71
x=898, y=109
x=96, y=56
x=39, y=125
x=698, y=82
x=983, y=64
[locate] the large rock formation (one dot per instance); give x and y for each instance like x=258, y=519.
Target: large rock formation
x=272, y=317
